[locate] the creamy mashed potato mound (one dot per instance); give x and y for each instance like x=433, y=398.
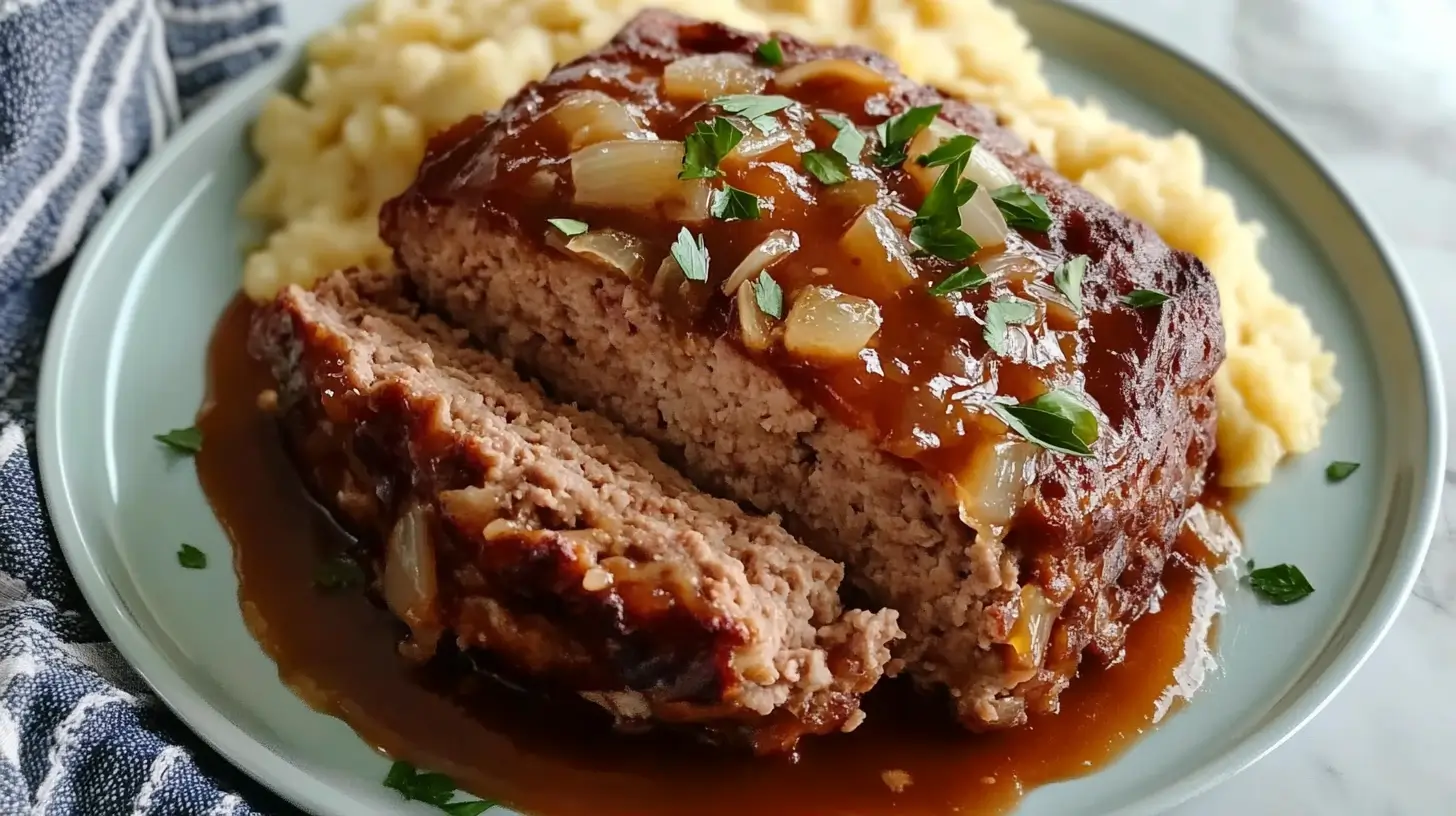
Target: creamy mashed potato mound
x=396, y=71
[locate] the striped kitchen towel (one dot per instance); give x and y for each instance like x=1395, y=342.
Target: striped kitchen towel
x=87, y=89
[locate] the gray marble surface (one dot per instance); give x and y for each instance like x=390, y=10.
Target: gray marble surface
x=1371, y=84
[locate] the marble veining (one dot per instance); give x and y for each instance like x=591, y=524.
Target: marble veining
x=1372, y=85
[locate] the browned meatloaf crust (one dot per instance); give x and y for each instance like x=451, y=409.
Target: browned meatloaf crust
x=1089, y=543
x=548, y=538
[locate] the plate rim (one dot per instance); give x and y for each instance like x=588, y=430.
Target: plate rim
x=270, y=768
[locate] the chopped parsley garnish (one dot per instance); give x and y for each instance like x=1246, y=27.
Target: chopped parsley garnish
x=182, y=440
x=432, y=789
x=897, y=131
x=706, y=146
x=568, y=226
x=756, y=108
x=1022, y=209
x=191, y=557
x=733, y=204
x=771, y=52
x=849, y=142
x=1056, y=420
x=968, y=277
x=952, y=244
x=1337, y=472
x=339, y=572
x=1004, y=312
x=948, y=151
x=936, y=229
x=827, y=166
x=691, y=254
x=1143, y=298
x=1068, y=278
x=1280, y=584
x=769, y=295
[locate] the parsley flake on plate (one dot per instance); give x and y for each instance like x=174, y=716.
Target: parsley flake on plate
x=770, y=52
x=758, y=109
x=1005, y=312
x=1337, y=472
x=1280, y=584
x=849, y=142
x=1144, y=298
x=1068, y=279
x=182, y=440
x=338, y=573
x=828, y=166
x=1056, y=420
x=434, y=789
x=948, y=151
x=191, y=557
x=733, y=204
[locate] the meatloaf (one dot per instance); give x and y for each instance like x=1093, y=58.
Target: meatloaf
x=831, y=293
x=546, y=537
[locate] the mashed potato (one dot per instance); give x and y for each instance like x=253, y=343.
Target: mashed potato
x=399, y=70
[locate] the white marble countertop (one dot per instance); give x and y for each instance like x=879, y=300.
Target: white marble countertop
x=1371, y=87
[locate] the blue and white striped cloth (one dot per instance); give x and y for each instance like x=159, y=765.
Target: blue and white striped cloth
x=87, y=89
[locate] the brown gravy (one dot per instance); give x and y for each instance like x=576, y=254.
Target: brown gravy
x=337, y=651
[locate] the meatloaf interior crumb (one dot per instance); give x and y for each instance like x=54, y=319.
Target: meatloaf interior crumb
x=557, y=542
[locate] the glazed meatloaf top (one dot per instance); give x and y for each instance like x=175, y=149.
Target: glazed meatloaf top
x=834, y=293
x=547, y=538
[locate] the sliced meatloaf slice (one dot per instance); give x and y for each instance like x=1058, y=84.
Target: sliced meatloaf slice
x=991, y=398
x=548, y=538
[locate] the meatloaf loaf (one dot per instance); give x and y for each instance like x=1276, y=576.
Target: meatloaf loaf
x=546, y=537
x=831, y=293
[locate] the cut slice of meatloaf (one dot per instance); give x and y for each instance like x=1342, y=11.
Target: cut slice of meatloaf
x=549, y=539
x=951, y=383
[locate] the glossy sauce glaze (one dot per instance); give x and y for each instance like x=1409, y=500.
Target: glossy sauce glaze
x=922, y=384
x=338, y=651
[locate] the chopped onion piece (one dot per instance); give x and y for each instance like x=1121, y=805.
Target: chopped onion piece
x=981, y=219
x=1033, y=629
x=838, y=70
x=987, y=170
x=589, y=117
x=409, y=569
x=676, y=293
x=881, y=248
x=636, y=174
x=755, y=142
x=827, y=325
x=778, y=245
x=1008, y=266
x=618, y=250
x=541, y=184
x=992, y=487
x=707, y=76
x=755, y=327
x=855, y=193
x=694, y=205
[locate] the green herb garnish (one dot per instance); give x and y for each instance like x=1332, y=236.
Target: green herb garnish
x=691, y=255
x=827, y=166
x=849, y=142
x=1005, y=312
x=769, y=295
x=1337, y=472
x=191, y=557
x=1143, y=298
x=771, y=52
x=1280, y=584
x=568, y=226
x=948, y=151
x=706, y=147
x=1068, y=278
x=968, y=277
x=1056, y=420
x=756, y=108
x=937, y=226
x=733, y=204
x=339, y=572
x=182, y=440
x=897, y=131
x=432, y=789
x=1022, y=209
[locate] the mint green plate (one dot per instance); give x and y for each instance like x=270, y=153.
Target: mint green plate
x=125, y=360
